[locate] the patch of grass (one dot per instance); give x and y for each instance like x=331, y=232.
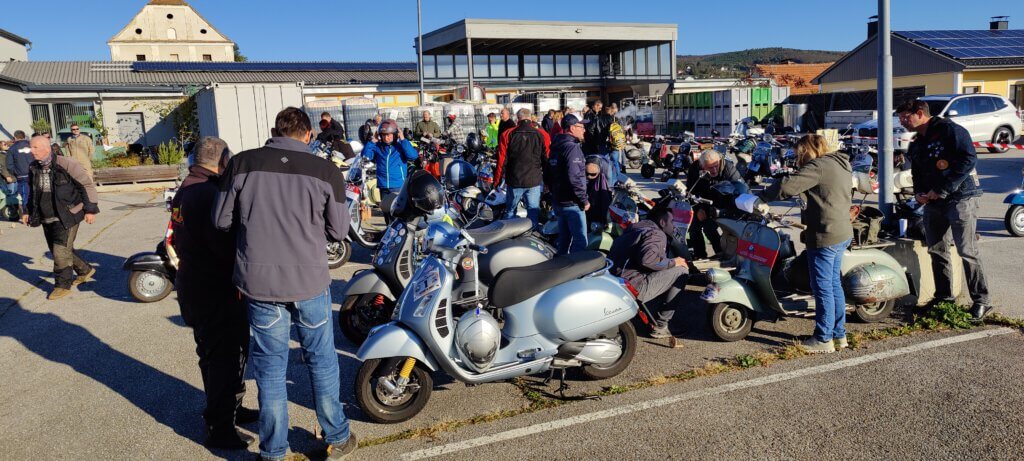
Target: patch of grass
x=1001, y=320
x=946, y=315
x=747, y=361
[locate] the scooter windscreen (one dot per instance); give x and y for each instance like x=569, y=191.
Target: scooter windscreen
x=747, y=202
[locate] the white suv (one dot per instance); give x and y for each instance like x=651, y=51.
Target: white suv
x=988, y=117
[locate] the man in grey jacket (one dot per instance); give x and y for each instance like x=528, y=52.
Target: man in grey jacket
x=284, y=204
x=641, y=257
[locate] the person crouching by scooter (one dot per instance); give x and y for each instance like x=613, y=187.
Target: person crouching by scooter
x=208, y=299
x=823, y=180
x=710, y=170
x=598, y=191
x=641, y=257
x=390, y=151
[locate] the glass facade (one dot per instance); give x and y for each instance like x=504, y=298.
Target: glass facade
x=649, y=62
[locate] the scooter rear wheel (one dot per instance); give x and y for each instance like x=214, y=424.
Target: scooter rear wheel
x=730, y=322
x=627, y=340
x=875, y=312
x=338, y=254
x=360, y=313
x=1014, y=220
x=378, y=404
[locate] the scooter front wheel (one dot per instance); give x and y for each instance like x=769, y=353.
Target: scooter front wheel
x=379, y=403
x=730, y=322
x=626, y=337
x=875, y=312
x=338, y=253
x=1014, y=220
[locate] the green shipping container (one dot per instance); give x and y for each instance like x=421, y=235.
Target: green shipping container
x=686, y=100
x=760, y=111
x=704, y=99
x=761, y=96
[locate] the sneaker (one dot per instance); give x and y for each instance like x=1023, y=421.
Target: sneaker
x=841, y=343
x=58, y=293
x=979, y=311
x=814, y=346
x=229, y=439
x=660, y=330
x=341, y=452
x=86, y=277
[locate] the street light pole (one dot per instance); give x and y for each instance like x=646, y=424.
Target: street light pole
x=419, y=47
x=886, y=198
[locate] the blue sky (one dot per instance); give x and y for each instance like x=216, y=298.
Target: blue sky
x=351, y=30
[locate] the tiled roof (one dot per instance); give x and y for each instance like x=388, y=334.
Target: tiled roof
x=993, y=62
x=92, y=73
x=796, y=76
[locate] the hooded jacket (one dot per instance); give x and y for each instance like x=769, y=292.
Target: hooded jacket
x=19, y=156
x=390, y=160
x=643, y=249
x=566, y=171
x=72, y=191
x=824, y=184
x=284, y=204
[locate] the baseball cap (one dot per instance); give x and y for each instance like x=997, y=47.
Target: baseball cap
x=570, y=120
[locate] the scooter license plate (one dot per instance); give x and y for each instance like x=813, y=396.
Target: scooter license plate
x=711, y=292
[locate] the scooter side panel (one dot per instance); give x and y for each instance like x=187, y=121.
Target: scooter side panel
x=367, y=282
x=733, y=292
x=572, y=311
x=1015, y=199
x=390, y=340
x=146, y=261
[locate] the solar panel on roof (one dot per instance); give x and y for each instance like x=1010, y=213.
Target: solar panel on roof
x=971, y=44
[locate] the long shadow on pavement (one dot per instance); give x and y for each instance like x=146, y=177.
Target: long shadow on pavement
x=18, y=265
x=163, y=397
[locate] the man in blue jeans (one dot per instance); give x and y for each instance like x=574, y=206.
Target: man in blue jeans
x=566, y=176
x=19, y=156
x=521, y=154
x=284, y=205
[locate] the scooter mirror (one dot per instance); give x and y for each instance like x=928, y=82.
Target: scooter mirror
x=747, y=202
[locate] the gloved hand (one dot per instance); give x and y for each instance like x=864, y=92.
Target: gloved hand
x=762, y=208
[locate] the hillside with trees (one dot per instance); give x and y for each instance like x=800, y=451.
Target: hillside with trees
x=737, y=64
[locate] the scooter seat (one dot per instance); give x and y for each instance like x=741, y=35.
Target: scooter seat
x=500, y=230
x=517, y=284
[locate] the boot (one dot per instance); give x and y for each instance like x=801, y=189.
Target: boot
x=660, y=330
x=229, y=439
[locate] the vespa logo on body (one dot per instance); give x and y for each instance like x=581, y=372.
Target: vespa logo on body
x=609, y=311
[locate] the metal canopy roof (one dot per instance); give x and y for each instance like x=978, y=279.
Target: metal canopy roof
x=492, y=36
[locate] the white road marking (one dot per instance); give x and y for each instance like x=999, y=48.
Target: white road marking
x=697, y=394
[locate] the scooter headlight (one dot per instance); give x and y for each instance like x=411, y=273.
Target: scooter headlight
x=716, y=276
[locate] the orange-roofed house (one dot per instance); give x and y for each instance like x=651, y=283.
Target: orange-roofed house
x=796, y=76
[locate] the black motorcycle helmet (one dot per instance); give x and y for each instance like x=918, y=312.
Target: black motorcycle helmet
x=460, y=174
x=420, y=195
x=474, y=143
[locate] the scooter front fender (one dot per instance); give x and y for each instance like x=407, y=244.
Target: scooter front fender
x=367, y=282
x=390, y=340
x=732, y=291
x=1016, y=198
x=147, y=261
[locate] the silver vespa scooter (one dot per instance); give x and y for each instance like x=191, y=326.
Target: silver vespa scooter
x=563, y=313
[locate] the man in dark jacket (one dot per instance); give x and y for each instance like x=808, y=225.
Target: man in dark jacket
x=62, y=197
x=368, y=132
x=566, y=177
x=19, y=156
x=945, y=180
x=332, y=131
x=598, y=125
x=284, y=204
x=208, y=300
x=703, y=175
x=641, y=257
x=506, y=122
x=521, y=155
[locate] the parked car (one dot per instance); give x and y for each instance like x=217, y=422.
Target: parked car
x=988, y=117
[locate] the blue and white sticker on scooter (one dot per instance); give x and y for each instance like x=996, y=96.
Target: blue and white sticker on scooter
x=711, y=292
x=428, y=283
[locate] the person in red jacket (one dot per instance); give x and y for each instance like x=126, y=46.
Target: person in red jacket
x=521, y=155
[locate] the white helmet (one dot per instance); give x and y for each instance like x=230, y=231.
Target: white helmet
x=477, y=338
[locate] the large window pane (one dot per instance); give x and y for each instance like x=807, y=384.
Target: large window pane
x=562, y=65
x=652, y=60
x=627, y=63
x=461, y=66
x=577, y=66
x=593, y=65
x=513, y=66
x=641, y=62
x=444, y=66
x=547, y=66
x=429, y=68
x=480, y=66
x=498, y=66
x=666, y=59
x=530, y=65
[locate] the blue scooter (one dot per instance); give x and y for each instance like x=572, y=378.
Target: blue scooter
x=1015, y=214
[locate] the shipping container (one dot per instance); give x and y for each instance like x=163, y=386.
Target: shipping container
x=734, y=97
x=703, y=99
x=703, y=116
x=760, y=111
x=731, y=115
x=242, y=115
x=779, y=94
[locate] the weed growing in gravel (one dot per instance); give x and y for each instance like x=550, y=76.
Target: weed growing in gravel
x=747, y=361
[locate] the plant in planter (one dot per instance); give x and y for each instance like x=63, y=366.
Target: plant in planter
x=170, y=153
x=41, y=126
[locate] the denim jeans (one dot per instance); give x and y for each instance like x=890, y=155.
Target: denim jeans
x=268, y=358
x=615, y=158
x=518, y=194
x=23, y=190
x=572, y=229
x=824, y=266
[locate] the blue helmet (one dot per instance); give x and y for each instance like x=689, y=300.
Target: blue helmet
x=460, y=174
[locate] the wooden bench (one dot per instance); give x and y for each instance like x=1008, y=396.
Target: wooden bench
x=135, y=174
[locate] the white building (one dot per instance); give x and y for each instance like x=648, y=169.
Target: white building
x=170, y=30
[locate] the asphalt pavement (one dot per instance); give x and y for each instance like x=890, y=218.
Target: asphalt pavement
x=98, y=375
